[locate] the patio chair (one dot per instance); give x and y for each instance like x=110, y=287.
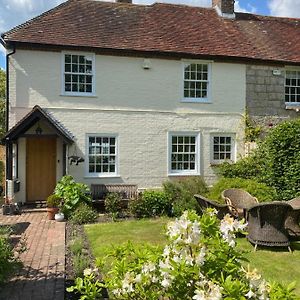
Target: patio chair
x=223, y=209
x=293, y=218
x=239, y=199
x=266, y=224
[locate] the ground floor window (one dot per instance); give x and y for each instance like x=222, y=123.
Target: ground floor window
x=102, y=155
x=184, y=153
x=223, y=148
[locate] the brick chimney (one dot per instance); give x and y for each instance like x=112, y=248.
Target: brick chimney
x=124, y=1
x=225, y=8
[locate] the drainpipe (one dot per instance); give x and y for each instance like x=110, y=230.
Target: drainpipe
x=8, y=169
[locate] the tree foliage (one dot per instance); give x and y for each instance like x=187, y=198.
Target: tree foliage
x=276, y=161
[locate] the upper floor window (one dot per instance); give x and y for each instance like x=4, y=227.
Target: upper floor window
x=184, y=153
x=292, y=86
x=223, y=148
x=78, y=77
x=102, y=155
x=196, y=82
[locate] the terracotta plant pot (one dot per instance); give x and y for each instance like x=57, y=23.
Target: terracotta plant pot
x=51, y=212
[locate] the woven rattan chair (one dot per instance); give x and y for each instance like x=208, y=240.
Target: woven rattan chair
x=266, y=224
x=293, y=218
x=239, y=199
x=223, y=209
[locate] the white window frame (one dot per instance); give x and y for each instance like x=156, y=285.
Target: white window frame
x=233, y=147
x=290, y=68
x=197, y=154
x=209, y=70
x=78, y=94
x=102, y=175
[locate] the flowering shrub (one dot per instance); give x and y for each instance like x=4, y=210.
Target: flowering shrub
x=199, y=262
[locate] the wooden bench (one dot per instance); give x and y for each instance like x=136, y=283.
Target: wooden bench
x=127, y=192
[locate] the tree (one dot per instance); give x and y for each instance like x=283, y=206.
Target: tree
x=2, y=102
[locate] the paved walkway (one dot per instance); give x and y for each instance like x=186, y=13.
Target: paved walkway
x=42, y=277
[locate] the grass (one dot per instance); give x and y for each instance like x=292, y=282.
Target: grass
x=102, y=236
x=275, y=265
x=280, y=266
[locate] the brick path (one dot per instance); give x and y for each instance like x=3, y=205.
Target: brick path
x=42, y=277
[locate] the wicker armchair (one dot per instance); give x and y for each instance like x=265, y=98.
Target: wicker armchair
x=293, y=218
x=223, y=209
x=239, y=199
x=266, y=224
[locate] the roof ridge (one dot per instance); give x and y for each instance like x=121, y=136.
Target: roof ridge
x=28, y=22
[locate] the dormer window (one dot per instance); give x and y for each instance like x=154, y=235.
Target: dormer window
x=78, y=74
x=292, y=87
x=196, y=82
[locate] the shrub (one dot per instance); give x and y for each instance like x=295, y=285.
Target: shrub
x=151, y=203
x=282, y=154
x=76, y=246
x=259, y=190
x=181, y=193
x=83, y=214
x=275, y=162
x=80, y=263
x=72, y=193
x=9, y=263
x=113, y=204
x=53, y=201
x=200, y=261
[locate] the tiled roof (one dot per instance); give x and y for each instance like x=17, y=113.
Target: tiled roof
x=37, y=113
x=163, y=28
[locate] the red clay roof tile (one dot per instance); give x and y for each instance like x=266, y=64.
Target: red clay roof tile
x=161, y=27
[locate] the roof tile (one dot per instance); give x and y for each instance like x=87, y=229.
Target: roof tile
x=162, y=27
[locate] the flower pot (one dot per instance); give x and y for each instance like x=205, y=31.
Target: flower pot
x=51, y=212
x=59, y=217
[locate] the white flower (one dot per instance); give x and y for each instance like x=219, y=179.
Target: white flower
x=117, y=292
x=87, y=272
x=250, y=294
x=166, y=251
x=127, y=285
x=199, y=295
x=138, y=278
x=166, y=282
x=200, y=258
x=147, y=268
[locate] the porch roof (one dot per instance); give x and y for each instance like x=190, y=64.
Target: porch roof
x=35, y=115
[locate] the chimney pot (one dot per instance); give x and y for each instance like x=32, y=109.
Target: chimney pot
x=224, y=7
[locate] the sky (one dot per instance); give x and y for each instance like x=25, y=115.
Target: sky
x=15, y=12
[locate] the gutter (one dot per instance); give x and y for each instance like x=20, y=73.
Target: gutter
x=8, y=156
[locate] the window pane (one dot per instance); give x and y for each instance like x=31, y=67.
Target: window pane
x=75, y=59
x=183, y=154
x=100, y=149
x=67, y=67
x=67, y=58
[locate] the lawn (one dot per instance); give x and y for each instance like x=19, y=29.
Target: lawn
x=281, y=266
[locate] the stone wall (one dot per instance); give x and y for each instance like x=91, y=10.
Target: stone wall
x=265, y=95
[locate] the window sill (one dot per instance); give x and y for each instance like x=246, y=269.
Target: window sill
x=103, y=176
x=292, y=106
x=79, y=95
x=183, y=174
x=196, y=100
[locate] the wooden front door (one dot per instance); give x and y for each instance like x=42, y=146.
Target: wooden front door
x=40, y=168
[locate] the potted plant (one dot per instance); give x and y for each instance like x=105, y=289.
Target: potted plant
x=53, y=202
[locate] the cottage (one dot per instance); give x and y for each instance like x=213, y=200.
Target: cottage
x=138, y=94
